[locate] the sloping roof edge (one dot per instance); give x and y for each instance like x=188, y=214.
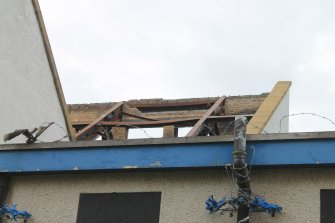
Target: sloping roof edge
x=268, y=107
x=53, y=68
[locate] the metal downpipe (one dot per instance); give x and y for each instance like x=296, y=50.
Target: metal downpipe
x=241, y=173
x=4, y=182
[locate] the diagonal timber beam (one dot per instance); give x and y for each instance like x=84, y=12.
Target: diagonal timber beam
x=88, y=129
x=198, y=126
x=160, y=123
x=138, y=116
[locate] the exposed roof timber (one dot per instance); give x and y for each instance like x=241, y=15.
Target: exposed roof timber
x=82, y=133
x=294, y=149
x=177, y=103
x=138, y=116
x=197, y=127
x=153, y=103
x=161, y=112
x=160, y=123
x=268, y=107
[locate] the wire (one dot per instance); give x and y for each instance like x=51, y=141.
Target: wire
x=105, y=131
x=203, y=125
x=226, y=129
x=304, y=113
x=231, y=177
x=252, y=159
x=59, y=126
x=248, y=122
x=58, y=140
x=226, y=167
x=257, y=127
x=137, y=127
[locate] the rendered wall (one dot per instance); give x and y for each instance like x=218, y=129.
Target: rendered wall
x=269, y=114
x=277, y=122
x=54, y=198
x=28, y=94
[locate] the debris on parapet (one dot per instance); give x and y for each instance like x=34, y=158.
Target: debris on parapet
x=29, y=134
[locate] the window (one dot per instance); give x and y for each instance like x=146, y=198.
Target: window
x=327, y=206
x=119, y=207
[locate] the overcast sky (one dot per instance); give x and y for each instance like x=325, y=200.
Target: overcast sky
x=108, y=50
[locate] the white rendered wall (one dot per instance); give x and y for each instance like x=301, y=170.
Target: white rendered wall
x=276, y=123
x=27, y=93
x=54, y=198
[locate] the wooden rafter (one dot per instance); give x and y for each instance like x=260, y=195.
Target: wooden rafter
x=176, y=103
x=138, y=116
x=198, y=126
x=88, y=129
x=160, y=123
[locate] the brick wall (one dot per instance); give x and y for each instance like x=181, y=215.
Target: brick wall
x=87, y=112
x=248, y=104
x=119, y=133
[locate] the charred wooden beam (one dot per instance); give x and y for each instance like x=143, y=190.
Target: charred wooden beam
x=159, y=123
x=138, y=116
x=166, y=104
x=89, y=129
x=198, y=126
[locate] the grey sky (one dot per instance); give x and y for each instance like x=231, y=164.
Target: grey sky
x=109, y=50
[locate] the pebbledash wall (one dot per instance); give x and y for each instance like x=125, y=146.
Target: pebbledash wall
x=29, y=87
x=54, y=198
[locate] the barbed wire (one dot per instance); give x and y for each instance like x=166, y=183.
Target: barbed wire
x=303, y=113
x=203, y=125
x=252, y=159
x=227, y=127
x=248, y=122
x=257, y=127
x=180, y=126
x=105, y=131
x=137, y=127
x=59, y=126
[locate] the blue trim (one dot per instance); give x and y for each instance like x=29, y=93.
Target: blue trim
x=293, y=152
x=190, y=155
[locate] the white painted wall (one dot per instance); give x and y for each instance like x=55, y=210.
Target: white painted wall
x=273, y=125
x=27, y=94
x=54, y=198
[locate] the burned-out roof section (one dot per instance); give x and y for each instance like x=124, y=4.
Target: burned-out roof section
x=206, y=116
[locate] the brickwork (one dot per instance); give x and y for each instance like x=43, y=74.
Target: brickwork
x=119, y=133
x=148, y=110
x=144, y=102
x=233, y=105
x=170, y=131
x=238, y=105
x=87, y=112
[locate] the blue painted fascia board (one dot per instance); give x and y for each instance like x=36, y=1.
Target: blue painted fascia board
x=197, y=154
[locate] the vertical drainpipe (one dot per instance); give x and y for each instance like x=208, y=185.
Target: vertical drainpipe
x=241, y=172
x=4, y=181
